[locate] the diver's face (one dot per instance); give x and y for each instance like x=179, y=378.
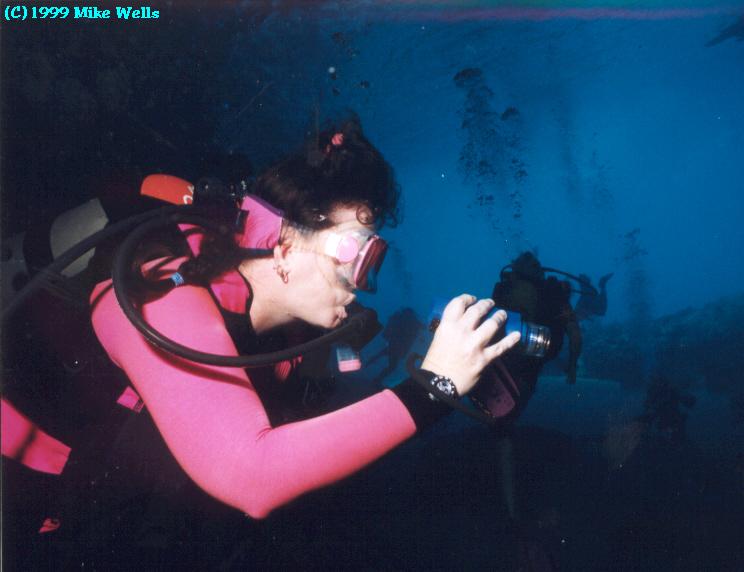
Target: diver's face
x=320, y=292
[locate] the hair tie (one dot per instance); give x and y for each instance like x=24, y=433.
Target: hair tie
x=336, y=141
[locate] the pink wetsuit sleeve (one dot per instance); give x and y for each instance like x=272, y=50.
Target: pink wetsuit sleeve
x=214, y=422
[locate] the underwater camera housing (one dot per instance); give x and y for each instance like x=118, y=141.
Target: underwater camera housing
x=497, y=396
x=534, y=340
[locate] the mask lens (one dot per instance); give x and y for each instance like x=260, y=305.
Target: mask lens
x=359, y=255
x=347, y=249
x=368, y=264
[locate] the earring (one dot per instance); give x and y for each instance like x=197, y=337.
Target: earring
x=282, y=274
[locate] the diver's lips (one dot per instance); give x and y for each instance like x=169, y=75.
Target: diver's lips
x=343, y=313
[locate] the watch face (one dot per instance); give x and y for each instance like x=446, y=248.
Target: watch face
x=445, y=386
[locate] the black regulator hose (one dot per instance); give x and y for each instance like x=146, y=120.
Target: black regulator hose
x=573, y=277
x=594, y=291
x=123, y=274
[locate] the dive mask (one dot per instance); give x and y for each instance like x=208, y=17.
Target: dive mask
x=359, y=254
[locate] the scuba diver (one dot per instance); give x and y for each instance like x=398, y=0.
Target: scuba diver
x=400, y=333
x=138, y=475
x=524, y=287
x=591, y=302
x=663, y=412
x=664, y=408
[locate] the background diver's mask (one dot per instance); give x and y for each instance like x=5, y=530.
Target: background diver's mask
x=360, y=254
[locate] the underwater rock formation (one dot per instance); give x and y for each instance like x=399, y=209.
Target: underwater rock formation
x=693, y=348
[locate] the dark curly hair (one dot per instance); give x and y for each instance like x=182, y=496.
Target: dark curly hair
x=308, y=185
x=337, y=167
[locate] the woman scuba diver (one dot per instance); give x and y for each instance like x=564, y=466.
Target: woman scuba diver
x=315, y=217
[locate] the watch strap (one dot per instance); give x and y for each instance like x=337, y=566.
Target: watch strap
x=424, y=410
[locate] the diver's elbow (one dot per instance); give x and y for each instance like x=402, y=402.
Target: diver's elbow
x=257, y=509
x=256, y=514
x=255, y=501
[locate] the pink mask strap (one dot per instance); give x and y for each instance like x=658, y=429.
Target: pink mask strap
x=263, y=225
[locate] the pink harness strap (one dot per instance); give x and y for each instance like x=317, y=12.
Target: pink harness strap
x=230, y=289
x=261, y=230
x=25, y=442
x=131, y=400
x=263, y=225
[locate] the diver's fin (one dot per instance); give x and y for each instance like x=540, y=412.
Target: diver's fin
x=506, y=473
x=605, y=279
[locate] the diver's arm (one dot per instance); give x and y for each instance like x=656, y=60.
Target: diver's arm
x=214, y=422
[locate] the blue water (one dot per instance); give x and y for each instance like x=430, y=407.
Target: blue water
x=623, y=125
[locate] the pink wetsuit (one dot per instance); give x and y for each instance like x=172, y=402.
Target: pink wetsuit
x=214, y=422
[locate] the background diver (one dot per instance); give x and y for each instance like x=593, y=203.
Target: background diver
x=524, y=286
x=664, y=408
x=400, y=333
x=591, y=302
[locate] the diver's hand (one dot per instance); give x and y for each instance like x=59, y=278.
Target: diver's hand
x=461, y=348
